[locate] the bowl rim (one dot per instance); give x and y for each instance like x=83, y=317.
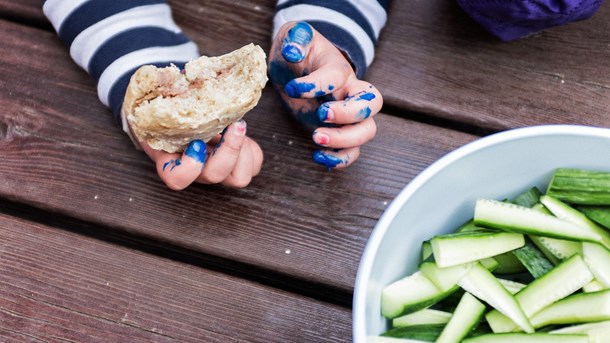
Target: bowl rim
x=376, y=236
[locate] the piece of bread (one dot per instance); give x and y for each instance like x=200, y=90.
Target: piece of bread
x=168, y=108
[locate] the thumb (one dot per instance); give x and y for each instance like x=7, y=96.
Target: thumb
x=296, y=43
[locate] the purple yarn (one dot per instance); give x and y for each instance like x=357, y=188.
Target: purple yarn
x=512, y=19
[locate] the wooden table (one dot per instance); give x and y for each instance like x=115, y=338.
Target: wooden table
x=94, y=248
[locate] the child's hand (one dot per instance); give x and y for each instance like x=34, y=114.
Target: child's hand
x=233, y=160
x=320, y=87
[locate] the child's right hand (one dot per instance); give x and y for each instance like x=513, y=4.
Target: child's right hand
x=321, y=89
x=231, y=159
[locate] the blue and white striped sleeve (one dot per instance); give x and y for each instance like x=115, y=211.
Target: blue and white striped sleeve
x=351, y=25
x=112, y=39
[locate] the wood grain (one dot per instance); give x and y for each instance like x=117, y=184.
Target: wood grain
x=433, y=58
x=56, y=286
x=61, y=152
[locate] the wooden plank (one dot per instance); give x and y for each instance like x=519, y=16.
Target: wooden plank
x=433, y=58
x=62, y=152
x=57, y=286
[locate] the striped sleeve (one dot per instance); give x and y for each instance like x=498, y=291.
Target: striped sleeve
x=351, y=25
x=111, y=39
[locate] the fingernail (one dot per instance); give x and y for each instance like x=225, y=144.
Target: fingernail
x=298, y=37
x=197, y=151
x=327, y=160
x=295, y=89
x=321, y=138
x=240, y=127
x=293, y=53
x=325, y=113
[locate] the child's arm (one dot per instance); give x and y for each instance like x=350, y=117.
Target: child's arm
x=321, y=50
x=110, y=40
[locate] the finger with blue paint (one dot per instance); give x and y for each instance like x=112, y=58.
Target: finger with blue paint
x=336, y=159
x=329, y=78
x=364, y=102
x=178, y=171
x=346, y=136
x=296, y=43
x=236, y=159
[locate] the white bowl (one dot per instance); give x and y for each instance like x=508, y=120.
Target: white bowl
x=443, y=196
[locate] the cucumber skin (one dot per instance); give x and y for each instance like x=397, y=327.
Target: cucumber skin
x=597, y=309
x=427, y=333
x=579, y=186
x=598, y=214
x=533, y=260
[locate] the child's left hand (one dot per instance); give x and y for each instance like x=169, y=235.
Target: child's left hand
x=320, y=87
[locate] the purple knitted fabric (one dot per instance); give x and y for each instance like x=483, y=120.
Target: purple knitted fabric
x=512, y=19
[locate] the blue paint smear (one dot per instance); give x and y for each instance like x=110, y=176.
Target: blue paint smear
x=320, y=93
x=364, y=113
x=280, y=73
x=197, y=151
x=331, y=87
x=327, y=160
x=173, y=163
x=367, y=96
x=295, y=89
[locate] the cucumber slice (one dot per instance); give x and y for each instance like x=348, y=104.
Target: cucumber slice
x=597, y=332
x=508, y=263
x=466, y=317
x=483, y=285
x=381, y=339
x=563, y=211
x=528, y=199
x=557, y=250
x=426, y=333
x=453, y=249
x=422, y=317
x=598, y=214
x=580, y=186
x=528, y=338
x=598, y=259
x=533, y=260
x=514, y=218
x=409, y=294
x=426, y=250
x=512, y=286
x=563, y=280
x=578, y=308
x=447, y=278
x=594, y=286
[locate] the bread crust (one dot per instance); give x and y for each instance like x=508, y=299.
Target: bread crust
x=168, y=108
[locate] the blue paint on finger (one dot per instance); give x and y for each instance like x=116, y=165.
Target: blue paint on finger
x=280, y=73
x=320, y=93
x=197, y=151
x=297, y=89
x=299, y=36
x=366, y=96
x=301, y=33
x=364, y=113
x=172, y=163
x=327, y=160
x=323, y=112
